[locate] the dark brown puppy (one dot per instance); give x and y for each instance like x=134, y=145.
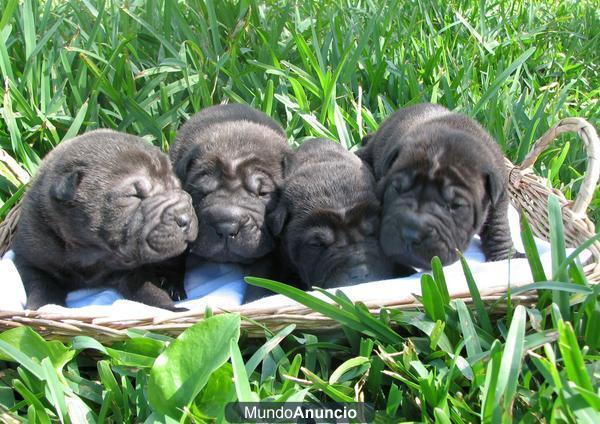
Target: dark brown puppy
x=441, y=179
x=230, y=159
x=328, y=218
x=104, y=209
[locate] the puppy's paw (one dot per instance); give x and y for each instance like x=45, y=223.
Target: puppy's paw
x=504, y=256
x=174, y=308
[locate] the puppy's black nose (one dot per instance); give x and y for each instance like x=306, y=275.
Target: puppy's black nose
x=183, y=220
x=412, y=235
x=359, y=274
x=227, y=228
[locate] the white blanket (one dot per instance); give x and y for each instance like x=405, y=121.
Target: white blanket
x=221, y=285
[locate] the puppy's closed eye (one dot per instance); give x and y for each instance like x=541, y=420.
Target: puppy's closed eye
x=403, y=181
x=369, y=226
x=319, y=238
x=458, y=203
x=203, y=181
x=260, y=185
x=132, y=194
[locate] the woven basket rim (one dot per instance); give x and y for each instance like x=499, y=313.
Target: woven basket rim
x=578, y=227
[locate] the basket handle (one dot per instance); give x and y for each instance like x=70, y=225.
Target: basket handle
x=587, y=133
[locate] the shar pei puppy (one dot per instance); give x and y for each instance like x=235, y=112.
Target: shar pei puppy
x=105, y=209
x=441, y=179
x=328, y=218
x=230, y=158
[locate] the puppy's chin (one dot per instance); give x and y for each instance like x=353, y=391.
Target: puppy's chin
x=250, y=244
x=347, y=267
x=164, y=242
x=416, y=255
x=422, y=260
x=161, y=228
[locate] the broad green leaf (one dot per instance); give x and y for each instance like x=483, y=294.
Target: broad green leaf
x=330, y=390
x=482, y=315
x=30, y=343
x=359, y=364
x=432, y=299
x=240, y=377
x=15, y=355
x=34, y=403
x=7, y=13
x=440, y=280
x=533, y=256
x=468, y=329
x=557, y=246
x=572, y=356
x=490, y=399
x=269, y=345
x=218, y=391
x=185, y=366
x=512, y=357
x=56, y=389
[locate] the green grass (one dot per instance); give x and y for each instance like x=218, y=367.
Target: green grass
x=333, y=68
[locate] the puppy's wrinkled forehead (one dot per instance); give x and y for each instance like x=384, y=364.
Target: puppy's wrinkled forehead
x=249, y=147
x=148, y=167
x=438, y=158
x=342, y=217
x=234, y=166
x=333, y=189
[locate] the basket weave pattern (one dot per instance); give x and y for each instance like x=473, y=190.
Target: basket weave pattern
x=528, y=192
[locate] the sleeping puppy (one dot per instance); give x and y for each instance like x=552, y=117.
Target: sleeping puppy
x=230, y=159
x=441, y=179
x=328, y=218
x=105, y=209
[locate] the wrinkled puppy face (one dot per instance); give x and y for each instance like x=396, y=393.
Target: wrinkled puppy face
x=130, y=208
x=329, y=229
x=435, y=197
x=234, y=181
x=337, y=248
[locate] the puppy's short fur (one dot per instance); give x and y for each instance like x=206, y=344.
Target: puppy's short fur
x=103, y=210
x=328, y=218
x=230, y=159
x=441, y=179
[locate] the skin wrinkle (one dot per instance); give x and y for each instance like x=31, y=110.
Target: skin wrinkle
x=78, y=231
x=452, y=165
x=225, y=154
x=327, y=199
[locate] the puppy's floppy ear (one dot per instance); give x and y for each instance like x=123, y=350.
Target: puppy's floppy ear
x=276, y=220
x=365, y=153
x=286, y=162
x=65, y=187
x=183, y=165
x=495, y=185
x=380, y=188
x=390, y=157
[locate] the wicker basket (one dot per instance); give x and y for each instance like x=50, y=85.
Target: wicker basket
x=527, y=191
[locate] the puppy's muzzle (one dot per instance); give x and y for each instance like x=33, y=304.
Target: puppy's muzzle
x=229, y=223
x=183, y=216
x=414, y=239
x=360, y=274
x=414, y=232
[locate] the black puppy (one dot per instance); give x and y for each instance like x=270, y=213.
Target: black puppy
x=230, y=159
x=441, y=179
x=328, y=218
x=104, y=209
